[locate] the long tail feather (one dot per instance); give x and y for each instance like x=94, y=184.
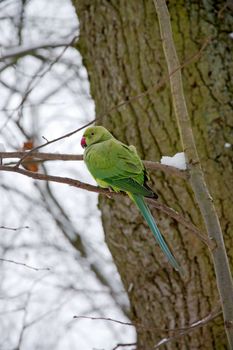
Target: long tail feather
x=142, y=206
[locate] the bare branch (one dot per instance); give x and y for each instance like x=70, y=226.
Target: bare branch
x=13, y=228
x=59, y=179
x=105, y=319
x=54, y=140
x=25, y=325
x=21, y=51
x=178, y=332
x=25, y=265
x=182, y=331
x=76, y=183
x=71, y=157
x=121, y=345
x=42, y=156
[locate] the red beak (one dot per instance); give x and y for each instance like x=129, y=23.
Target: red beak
x=83, y=142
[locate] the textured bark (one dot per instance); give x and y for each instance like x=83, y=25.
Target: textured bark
x=122, y=51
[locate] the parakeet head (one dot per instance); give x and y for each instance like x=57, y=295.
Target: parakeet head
x=95, y=134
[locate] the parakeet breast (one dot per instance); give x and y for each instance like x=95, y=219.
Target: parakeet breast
x=98, y=159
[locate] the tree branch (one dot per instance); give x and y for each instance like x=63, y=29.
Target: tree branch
x=52, y=141
x=25, y=265
x=76, y=183
x=71, y=157
x=14, y=228
x=177, y=332
x=122, y=345
x=21, y=51
x=204, y=200
x=59, y=179
x=190, y=328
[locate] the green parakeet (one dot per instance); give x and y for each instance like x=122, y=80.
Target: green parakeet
x=118, y=166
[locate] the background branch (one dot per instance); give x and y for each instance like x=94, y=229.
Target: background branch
x=199, y=323
x=182, y=331
x=20, y=51
x=25, y=265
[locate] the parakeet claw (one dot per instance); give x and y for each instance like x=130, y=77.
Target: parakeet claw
x=110, y=190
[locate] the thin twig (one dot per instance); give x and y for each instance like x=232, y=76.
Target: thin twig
x=204, y=321
x=122, y=345
x=25, y=50
x=178, y=331
x=25, y=265
x=13, y=228
x=54, y=140
x=31, y=87
x=105, y=319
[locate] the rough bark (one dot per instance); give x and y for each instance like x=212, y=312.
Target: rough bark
x=122, y=51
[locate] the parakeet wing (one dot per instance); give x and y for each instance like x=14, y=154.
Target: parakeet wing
x=113, y=159
x=129, y=185
x=119, y=166
x=128, y=162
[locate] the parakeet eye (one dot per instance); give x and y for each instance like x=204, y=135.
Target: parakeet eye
x=92, y=133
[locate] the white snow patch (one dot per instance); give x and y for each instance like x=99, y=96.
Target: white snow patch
x=227, y=145
x=178, y=161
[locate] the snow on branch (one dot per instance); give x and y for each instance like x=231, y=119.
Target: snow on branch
x=177, y=161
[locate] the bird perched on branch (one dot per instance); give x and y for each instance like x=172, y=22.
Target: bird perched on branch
x=118, y=166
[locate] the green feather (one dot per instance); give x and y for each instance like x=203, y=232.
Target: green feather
x=142, y=206
x=129, y=185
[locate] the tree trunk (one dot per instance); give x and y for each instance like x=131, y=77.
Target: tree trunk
x=121, y=48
